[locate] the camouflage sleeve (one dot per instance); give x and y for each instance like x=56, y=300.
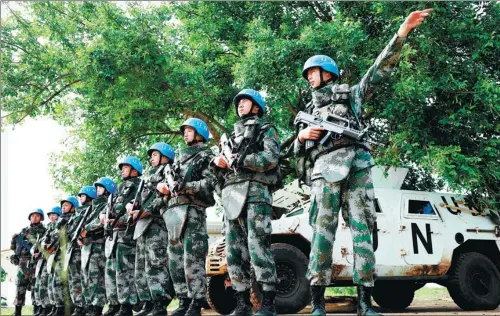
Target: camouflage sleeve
x=95, y=222
x=266, y=159
x=206, y=185
x=384, y=65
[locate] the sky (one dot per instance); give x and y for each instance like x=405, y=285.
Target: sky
x=25, y=179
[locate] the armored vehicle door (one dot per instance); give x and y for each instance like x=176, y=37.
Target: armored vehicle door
x=421, y=230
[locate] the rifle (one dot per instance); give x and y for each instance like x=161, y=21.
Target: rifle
x=227, y=147
x=247, y=143
x=172, y=179
x=21, y=243
x=78, y=230
x=109, y=232
x=136, y=205
x=330, y=127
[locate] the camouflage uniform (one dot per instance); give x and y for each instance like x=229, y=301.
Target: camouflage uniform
x=43, y=292
x=186, y=222
x=59, y=278
x=25, y=280
x=75, y=259
x=93, y=259
x=339, y=175
x=152, y=277
x=120, y=252
x=247, y=202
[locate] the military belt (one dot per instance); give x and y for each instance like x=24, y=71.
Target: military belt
x=184, y=199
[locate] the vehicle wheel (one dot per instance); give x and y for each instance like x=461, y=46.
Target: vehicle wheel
x=393, y=295
x=475, y=282
x=219, y=298
x=292, y=288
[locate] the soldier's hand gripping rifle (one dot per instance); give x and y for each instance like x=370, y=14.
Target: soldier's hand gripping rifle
x=136, y=205
x=330, y=127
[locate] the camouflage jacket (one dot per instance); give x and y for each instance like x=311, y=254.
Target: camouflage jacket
x=259, y=165
x=93, y=225
x=198, y=182
x=346, y=102
x=30, y=235
x=125, y=193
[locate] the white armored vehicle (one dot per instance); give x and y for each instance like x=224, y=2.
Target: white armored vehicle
x=419, y=237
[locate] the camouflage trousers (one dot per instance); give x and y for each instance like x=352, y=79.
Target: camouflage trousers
x=41, y=286
x=124, y=280
x=187, y=255
x=25, y=281
x=110, y=281
x=50, y=289
x=60, y=285
x=152, y=277
x=248, y=243
x=93, y=276
x=355, y=195
x=75, y=278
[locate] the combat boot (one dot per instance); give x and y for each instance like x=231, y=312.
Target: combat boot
x=243, y=305
x=59, y=311
x=78, y=311
x=318, y=300
x=365, y=307
x=184, y=303
x=52, y=310
x=125, y=310
x=195, y=307
x=17, y=311
x=112, y=310
x=267, y=308
x=36, y=310
x=147, y=306
x=160, y=307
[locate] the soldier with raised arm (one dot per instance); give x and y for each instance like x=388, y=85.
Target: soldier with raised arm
x=338, y=168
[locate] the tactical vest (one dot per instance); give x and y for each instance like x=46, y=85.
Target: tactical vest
x=189, y=166
x=335, y=100
x=246, y=129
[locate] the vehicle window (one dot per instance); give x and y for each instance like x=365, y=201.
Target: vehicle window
x=420, y=207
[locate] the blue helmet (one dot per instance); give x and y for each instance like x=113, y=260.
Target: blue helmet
x=164, y=149
x=133, y=162
x=89, y=191
x=71, y=199
x=36, y=211
x=252, y=95
x=199, y=126
x=107, y=183
x=324, y=62
x=55, y=210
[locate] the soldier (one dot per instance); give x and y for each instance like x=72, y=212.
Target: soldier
x=56, y=244
x=152, y=277
x=44, y=293
x=21, y=244
x=189, y=191
x=92, y=242
x=120, y=250
x=339, y=169
x=73, y=254
x=247, y=200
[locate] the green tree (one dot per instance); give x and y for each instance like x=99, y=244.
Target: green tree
x=125, y=76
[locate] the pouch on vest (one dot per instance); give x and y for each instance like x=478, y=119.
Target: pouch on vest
x=175, y=219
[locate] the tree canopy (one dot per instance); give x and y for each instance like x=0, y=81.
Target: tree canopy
x=123, y=76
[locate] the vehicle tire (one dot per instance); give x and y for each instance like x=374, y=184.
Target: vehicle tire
x=393, y=295
x=292, y=287
x=219, y=298
x=475, y=282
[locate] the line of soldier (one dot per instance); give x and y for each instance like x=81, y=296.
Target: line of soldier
x=148, y=239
